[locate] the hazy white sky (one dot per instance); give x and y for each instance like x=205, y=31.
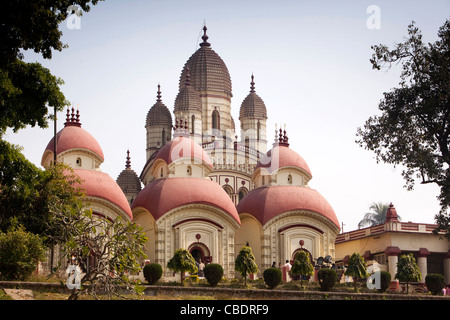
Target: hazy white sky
x=311, y=65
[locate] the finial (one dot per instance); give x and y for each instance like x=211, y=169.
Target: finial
x=128, y=162
x=72, y=118
x=158, y=95
x=205, y=42
x=188, y=77
x=252, y=84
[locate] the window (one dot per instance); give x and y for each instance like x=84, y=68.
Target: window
x=242, y=193
x=189, y=171
x=79, y=162
x=215, y=120
x=289, y=179
x=193, y=124
x=258, y=129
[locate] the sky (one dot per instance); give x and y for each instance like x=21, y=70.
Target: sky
x=310, y=60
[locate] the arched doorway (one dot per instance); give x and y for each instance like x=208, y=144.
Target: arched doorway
x=199, y=250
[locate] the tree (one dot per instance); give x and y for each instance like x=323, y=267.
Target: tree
x=29, y=193
x=245, y=263
x=414, y=127
x=357, y=268
x=407, y=270
x=376, y=216
x=105, y=250
x=182, y=262
x=302, y=266
x=20, y=252
x=27, y=89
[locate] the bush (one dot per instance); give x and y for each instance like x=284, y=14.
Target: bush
x=152, y=272
x=385, y=278
x=272, y=277
x=327, y=278
x=213, y=273
x=20, y=252
x=435, y=283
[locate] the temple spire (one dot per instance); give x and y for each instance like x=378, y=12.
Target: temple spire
x=158, y=95
x=128, y=162
x=205, y=42
x=72, y=118
x=252, y=84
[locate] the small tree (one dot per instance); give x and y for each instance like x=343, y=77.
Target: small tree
x=357, y=268
x=20, y=252
x=302, y=266
x=407, y=270
x=245, y=263
x=435, y=282
x=182, y=262
x=272, y=277
x=113, y=249
x=327, y=278
x=152, y=272
x=213, y=273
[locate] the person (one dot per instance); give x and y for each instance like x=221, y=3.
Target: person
x=274, y=264
x=285, y=271
x=201, y=266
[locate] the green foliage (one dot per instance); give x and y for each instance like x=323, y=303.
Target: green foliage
x=376, y=216
x=414, y=126
x=435, y=282
x=182, y=262
x=28, y=89
x=245, y=263
x=152, y=272
x=357, y=268
x=327, y=279
x=113, y=247
x=385, y=278
x=407, y=269
x=302, y=266
x=272, y=277
x=20, y=252
x=213, y=273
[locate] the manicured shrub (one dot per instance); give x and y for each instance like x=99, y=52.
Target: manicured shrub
x=213, y=273
x=435, y=283
x=385, y=278
x=152, y=272
x=327, y=278
x=272, y=277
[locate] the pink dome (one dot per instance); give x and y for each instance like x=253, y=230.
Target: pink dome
x=72, y=136
x=265, y=203
x=100, y=185
x=282, y=156
x=163, y=195
x=183, y=147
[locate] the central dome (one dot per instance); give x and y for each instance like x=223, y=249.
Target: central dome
x=207, y=70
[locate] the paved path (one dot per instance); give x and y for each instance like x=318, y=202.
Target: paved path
x=20, y=294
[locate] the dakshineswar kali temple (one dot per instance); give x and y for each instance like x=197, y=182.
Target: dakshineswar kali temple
x=205, y=190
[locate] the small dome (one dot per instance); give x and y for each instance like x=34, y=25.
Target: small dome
x=282, y=156
x=265, y=203
x=159, y=114
x=183, y=147
x=128, y=180
x=253, y=106
x=207, y=70
x=72, y=136
x=188, y=98
x=100, y=185
x=163, y=195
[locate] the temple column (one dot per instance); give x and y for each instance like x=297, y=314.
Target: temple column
x=392, y=254
x=422, y=263
x=447, y=267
